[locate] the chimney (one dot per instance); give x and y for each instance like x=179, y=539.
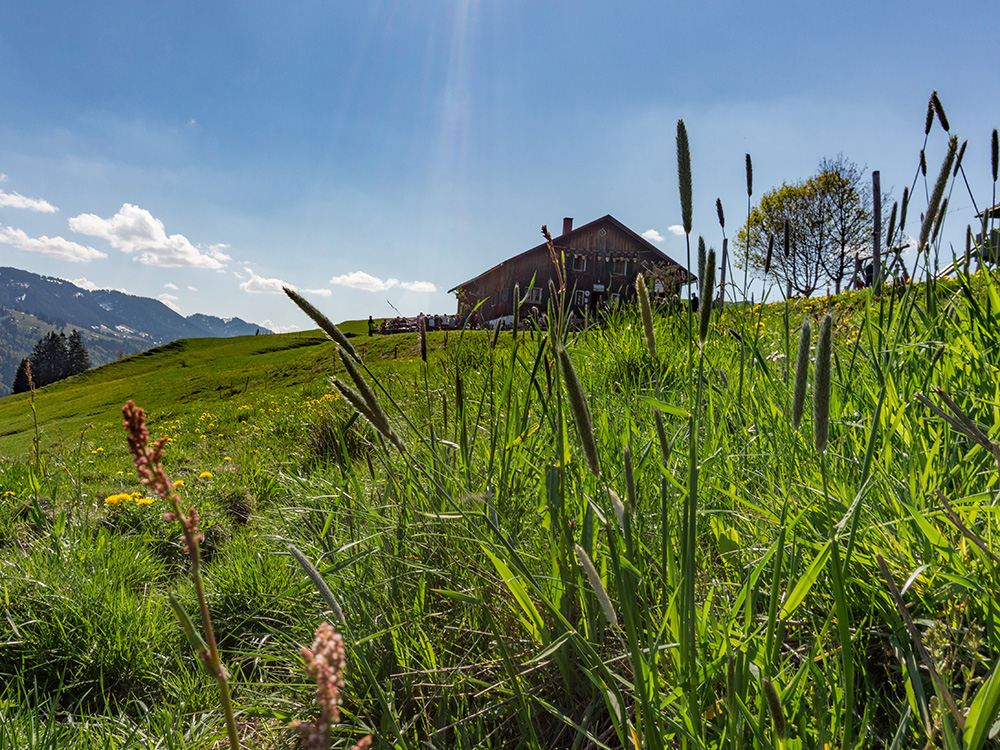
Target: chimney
x=567, y=225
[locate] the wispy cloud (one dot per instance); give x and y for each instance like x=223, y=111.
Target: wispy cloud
x=318, y=292
x=168, y=285
x=369, y=283
x=652, y=235
x=16, y=200
x=135, y=230
x=170, y=300
x=676, y=229
x=418, y=286
x=51, y=247
x=90, y=286
x=255, y=284
x=280, y=329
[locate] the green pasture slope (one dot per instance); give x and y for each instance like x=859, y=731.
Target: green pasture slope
x=180, y=377
x=504, y=583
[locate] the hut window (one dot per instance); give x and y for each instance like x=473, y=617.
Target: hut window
x=619, y=267
x=535, y=295
x=579, y=262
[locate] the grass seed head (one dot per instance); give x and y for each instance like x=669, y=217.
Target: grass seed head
x=581, y=413
x=787, y=228
x=517, y=309
x=721, y=213
x=801, y=374
x=902, y=210
x=661, y=435
x=595, y=583
x=821, y=385
x=995, y=153
x=934, y=203
x=707, y=295
x=939, y=220
x=322, y=321
x=770, y=253
x=777, y=712
x=958, y=159
x=496, y=334
x=646, y=313
x=619, y=508
x=422, y=328
x=939, y=109
x=892, y=224
x=701, y=258
x=684, y=174
x=749, y=177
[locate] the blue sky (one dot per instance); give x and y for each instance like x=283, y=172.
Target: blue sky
x=375, y=154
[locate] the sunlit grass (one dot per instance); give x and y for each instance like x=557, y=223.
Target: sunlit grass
x=662, y=532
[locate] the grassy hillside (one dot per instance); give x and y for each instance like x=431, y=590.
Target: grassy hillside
x=184, y=377
x=19, y=331
x=768, y=526
x=502, y=582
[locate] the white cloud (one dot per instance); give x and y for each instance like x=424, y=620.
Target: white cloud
x=170, y=301
x=216, y=251
x=259, y=285
x=418, y=286
x=16, y=200
x=90, y=286
x=280, y=329
x=51, y=247
x=652, y=235
x=676, y=229
x=3, y=177
x=168, y=285
x=318, y=292
x=362, y=280
x=192, y=288
x=369, y=283
x=87, y=284
x=134, y=229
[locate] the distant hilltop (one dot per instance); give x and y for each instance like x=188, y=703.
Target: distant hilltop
x=113, y=324
x=62, y=304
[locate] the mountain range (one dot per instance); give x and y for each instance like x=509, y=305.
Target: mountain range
x=113, y=323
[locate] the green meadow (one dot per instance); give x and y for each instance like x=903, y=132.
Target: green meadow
x=697, y=531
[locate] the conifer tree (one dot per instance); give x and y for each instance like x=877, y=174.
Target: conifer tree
x=53, y=358
x=79, y=357
x=21, y=383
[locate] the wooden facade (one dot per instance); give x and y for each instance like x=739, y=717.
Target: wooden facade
x=602, y=260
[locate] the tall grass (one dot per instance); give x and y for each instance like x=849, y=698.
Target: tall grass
x=630, y=536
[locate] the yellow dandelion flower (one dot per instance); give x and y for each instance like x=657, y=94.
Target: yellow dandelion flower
x=97, y=450
x=226, y=458
x=205, y=475
x=144, y=500
x=178, y=484
x=114, y=501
